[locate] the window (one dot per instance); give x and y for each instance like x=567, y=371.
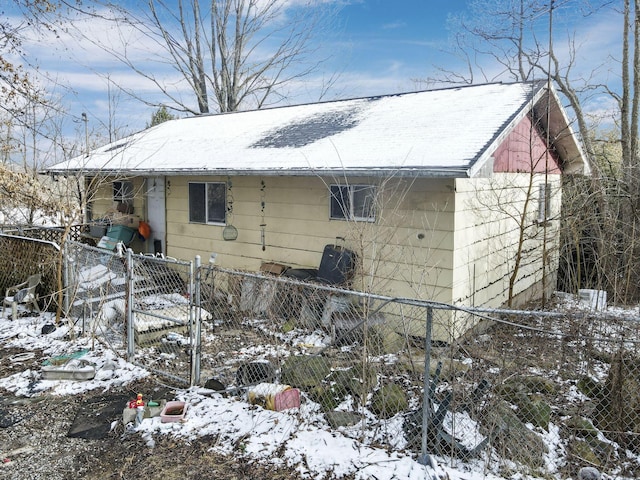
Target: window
x=544, y=202
x=207, y=202
x=353, y=202
x=123, y=196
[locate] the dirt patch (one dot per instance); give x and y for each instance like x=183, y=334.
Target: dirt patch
x=34, y=442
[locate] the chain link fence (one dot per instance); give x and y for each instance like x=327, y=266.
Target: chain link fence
x=163, y=316
x=95, y=282
x=527, y=393
x=524, y=393
x=21, y=257
x=138, y=304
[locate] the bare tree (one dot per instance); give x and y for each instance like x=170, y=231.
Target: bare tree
x=15, y=83
x=515, y=37
x=515, y=40
x=231, y=54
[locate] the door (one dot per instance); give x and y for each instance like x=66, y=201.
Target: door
x=156, y=215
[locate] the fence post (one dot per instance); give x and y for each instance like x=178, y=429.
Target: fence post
x=425, y=459
x=129, y=314
x=195, y=320
x=65, y=278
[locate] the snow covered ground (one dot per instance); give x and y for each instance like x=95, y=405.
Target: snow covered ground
x=294, y=437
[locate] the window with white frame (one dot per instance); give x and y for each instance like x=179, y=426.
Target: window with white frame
x=123, y=195
x=544, y=202
x=353, y=202
x=207, y=202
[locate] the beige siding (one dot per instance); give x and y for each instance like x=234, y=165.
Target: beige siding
x=101, y=198
x=409, y=251
x=406, y=252
x=488, y=232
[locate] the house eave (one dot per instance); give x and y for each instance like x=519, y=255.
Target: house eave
x=405, y=172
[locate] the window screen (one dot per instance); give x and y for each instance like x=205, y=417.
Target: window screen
x=353, y=202
x=207, y=202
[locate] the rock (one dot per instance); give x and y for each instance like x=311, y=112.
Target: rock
x=582, y=427
x=536, y=384
x=590, y=387
x=288, y=326
x=524, y=393
x=354, y=380
x=255, y=372
x=339, y=384
x=305, y=371
x=509, y=435
x=326, y=396
x=389, y=400
x=583, y=450
x=342, y=419
x=534, y=410
x=589, y=473
x=214, y=384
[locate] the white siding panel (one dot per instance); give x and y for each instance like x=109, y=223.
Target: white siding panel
x=488, y=234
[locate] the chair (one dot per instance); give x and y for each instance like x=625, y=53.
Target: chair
x=23, y=293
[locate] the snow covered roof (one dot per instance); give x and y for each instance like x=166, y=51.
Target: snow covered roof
x=447, y=132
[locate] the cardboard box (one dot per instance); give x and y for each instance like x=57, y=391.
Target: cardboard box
x=273, y=268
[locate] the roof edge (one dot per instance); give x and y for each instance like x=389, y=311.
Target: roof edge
x=405, y=172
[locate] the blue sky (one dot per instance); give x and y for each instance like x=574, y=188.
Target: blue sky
x=378, y=46
x=400, y=37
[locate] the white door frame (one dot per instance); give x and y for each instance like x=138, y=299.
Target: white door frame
x=156, y=213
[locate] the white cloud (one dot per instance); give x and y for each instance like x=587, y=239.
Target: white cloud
x=81, y=64
x=394, y=25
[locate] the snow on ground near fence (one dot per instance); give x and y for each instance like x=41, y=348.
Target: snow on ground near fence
x=297, y=437
x=301, y=435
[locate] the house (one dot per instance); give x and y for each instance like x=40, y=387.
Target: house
x=451, y=195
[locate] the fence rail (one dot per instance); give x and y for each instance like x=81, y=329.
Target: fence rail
x=532, y=393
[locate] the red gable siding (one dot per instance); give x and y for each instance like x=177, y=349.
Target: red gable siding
x=524, y=151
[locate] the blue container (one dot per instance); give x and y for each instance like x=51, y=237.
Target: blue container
x=121, y=233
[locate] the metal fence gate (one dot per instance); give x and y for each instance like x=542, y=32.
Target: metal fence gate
x=137, y=303
x=162, y=331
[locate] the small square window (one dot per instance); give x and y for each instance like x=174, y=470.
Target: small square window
x=207, y=202
x=353, y=202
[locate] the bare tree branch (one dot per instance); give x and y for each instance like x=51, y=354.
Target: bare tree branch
x=230, y=54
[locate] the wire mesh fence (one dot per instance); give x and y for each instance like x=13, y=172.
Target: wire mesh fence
x=162, y=316
x=22, y=257
x=136, y=303
x=95, y=291
x=529, y=393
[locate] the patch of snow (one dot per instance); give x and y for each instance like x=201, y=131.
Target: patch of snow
x=299, y=438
